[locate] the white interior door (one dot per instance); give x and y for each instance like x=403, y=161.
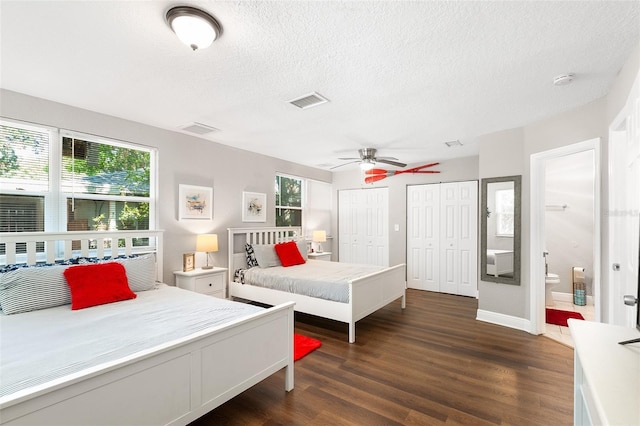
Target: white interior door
x=423, y=237
x=442, y=235
x=363, y=226
x=376, y=226
x=348, y=202
x=468, y=238
x=624, y=203
x=449, y=232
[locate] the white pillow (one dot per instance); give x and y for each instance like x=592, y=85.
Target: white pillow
x=266, y=255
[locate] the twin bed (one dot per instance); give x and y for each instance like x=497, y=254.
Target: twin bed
x=163, y=355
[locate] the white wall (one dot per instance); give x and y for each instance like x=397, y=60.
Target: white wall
x=183, y=159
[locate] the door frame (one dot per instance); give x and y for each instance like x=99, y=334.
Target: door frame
x=537, y=229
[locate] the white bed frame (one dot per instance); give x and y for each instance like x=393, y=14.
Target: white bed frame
x=503, y=262
x=174, y=383
x=366, y=294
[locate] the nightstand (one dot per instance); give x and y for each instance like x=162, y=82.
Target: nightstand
x=212, y=282
x=325, y=255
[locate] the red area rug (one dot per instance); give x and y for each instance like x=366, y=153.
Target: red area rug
x=303, y=345
x=558, y=317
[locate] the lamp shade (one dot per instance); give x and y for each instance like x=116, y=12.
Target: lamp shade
x=207, y=242
x=319, y=236
x=194, y=27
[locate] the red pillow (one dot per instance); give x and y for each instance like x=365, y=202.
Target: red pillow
x=289, y=254
x=97, y=284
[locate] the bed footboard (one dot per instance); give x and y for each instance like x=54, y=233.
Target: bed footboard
x=175, y=384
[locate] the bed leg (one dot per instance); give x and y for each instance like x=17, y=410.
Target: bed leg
x=352, y=332
x=288, y=378
x=403, y=303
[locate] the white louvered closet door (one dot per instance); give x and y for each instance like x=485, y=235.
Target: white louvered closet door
x=423, y=237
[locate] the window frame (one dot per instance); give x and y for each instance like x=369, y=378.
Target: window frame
x=303, y=191
x=55, y=199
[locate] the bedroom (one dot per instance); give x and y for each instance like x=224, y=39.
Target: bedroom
x=191, y=160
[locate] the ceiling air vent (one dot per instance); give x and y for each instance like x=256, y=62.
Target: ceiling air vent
x=199, y=128
x=308, y=101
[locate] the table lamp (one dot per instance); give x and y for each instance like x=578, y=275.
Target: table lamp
x=207, y=243
x=319, y=237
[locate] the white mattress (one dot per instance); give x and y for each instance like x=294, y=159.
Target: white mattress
x=315, y=278
x=40, y=346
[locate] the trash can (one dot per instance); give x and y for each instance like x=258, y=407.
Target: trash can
x=579, y=288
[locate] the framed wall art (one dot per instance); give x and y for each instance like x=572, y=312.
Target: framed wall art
x=195, y=202
x=254, y=207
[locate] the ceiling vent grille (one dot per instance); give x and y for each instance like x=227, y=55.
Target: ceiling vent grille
x=308, y=101
x=451, y=144
x=199, y=128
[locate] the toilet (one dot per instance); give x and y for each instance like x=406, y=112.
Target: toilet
x=550, y=282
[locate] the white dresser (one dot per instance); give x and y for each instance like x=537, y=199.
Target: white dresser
x=606, y=376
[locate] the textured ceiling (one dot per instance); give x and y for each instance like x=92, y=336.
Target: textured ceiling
x=403, y=77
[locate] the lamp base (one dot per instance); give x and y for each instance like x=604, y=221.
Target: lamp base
x=207, y=267
x=319, y=250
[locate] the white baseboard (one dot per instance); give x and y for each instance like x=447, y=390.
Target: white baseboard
x=568, y=297
x=504, y=320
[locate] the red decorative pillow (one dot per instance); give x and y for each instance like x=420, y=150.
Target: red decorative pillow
x=289, y=254
x=97, y=284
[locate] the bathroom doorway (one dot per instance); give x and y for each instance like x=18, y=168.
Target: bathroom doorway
x=557, y=205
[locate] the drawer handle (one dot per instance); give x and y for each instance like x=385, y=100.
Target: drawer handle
x=210, y=284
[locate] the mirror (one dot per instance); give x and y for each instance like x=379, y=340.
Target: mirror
x=500, y=229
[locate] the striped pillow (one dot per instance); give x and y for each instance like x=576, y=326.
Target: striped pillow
x=141, y=272
x=31, y=289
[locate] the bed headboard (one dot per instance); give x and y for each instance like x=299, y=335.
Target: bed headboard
x=35, y=247
x=238, y=237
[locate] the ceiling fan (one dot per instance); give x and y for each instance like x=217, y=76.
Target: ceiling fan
x=368, y=159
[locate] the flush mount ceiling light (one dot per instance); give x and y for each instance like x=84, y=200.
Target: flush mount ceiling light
x=194, y=27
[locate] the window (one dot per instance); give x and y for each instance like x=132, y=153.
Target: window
x=504, y=212
x=106, y=186
x=289, y=196
x=54, y=180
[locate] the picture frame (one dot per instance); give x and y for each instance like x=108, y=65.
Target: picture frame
x=195, y=202
x=188, y=262
x=254, y=207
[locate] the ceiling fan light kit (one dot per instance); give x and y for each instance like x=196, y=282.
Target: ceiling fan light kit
x=194, y=27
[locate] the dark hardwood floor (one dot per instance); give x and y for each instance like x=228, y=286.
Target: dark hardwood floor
x=430, y=364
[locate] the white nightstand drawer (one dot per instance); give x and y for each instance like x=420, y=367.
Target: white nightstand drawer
x=210, y=284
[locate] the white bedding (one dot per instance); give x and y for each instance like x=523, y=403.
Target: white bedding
x=43, y=345
x=315, y=278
